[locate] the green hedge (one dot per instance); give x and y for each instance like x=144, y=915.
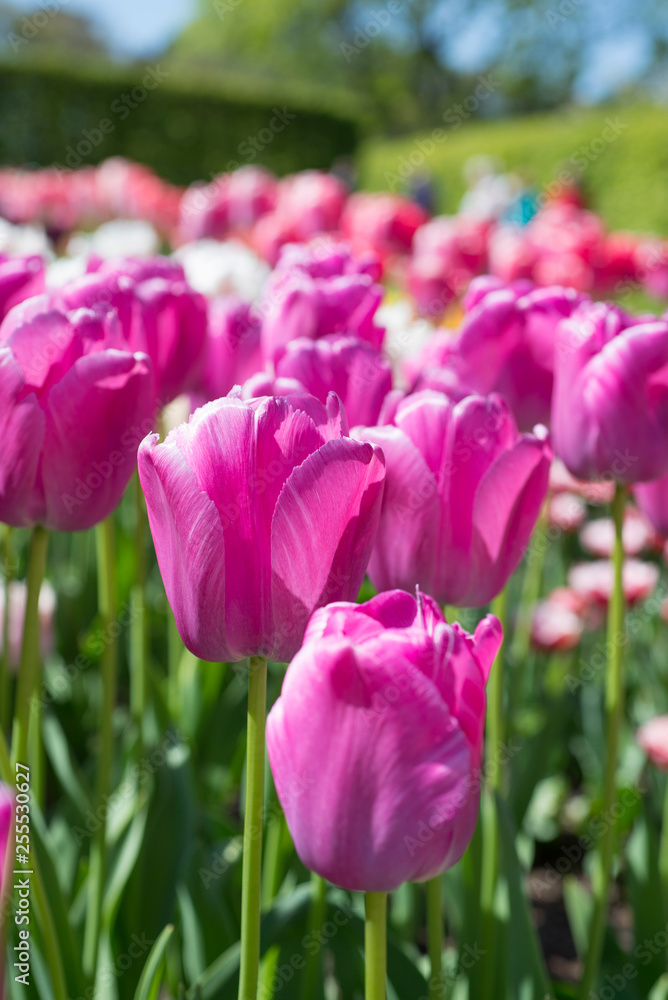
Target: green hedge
x=626, y=180
x=81, y=115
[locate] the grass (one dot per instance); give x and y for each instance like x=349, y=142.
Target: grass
x=625, y=177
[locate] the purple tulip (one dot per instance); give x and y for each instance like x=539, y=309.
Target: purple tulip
x=73, y=407
x=261, y=511
x=159, y=313
x=348, y=366
x=6, y=825
x=375, y=742
x=20, y=278
x=610, y=406
x=652, y=498
x=316, y=293
x=463, y=490
x=506, y=345
x=232, y=353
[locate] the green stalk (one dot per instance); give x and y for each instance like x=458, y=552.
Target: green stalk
x=663, y=851
x=531, y=588
x=435, y=936
x=488, y=812
x=138, y=635
x=375, y=946
x=272, y=875
x=614, y=716
x=106, y=577
x=6, y=562
x=251, y=874
x=49, y=936
x=30, y=668
x=313, y=959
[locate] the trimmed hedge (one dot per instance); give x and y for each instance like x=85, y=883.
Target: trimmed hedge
x=625, y=179
x=74, y=116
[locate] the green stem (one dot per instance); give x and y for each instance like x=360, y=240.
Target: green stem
x=251, y=875
x=663, y=851
x=97, y=866
x=49, y=936
x=375, y=946
x=138, y=636
x=6, y=573
x=435, y=936
x=614, y=715
x=488, y=812
x=30, y=667
x=313, y=960
x=272, y=874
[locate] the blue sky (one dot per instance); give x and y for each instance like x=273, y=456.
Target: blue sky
x=131, y=27
x=617, y=53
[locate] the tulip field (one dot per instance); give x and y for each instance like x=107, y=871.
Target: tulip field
x=333, y=594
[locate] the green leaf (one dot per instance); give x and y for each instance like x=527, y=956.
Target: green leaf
x=149, y=981
x=644, y=882
x=70, y=949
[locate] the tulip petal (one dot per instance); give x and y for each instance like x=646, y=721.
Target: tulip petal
x=323, y=530
x=22, y=434
x=190, y=545
x=89, y=456
x=404, y=553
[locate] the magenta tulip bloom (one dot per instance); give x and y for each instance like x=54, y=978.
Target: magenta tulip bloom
x=260, y=511
x=463, y=491
x=313, y=295
x=358, y=374
x=610, y=405
x=20, y=278
x=376, y=739
x=73, y=407
x=6, y=826
x=652, y=498
x=232, y=353
x=159, y=313
x=506, y=345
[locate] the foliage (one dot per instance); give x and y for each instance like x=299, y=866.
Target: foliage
x=182, y=129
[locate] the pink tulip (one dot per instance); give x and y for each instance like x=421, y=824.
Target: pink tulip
x=376, y=739
x=229, y=203
x=74, y=405
x=594, y=581
x=506, y=344
x=566, y=511
x=610, y=404
x=261, y=511
x=358, y=374
x=652, y=499
x=598, y=536
x=20, y=278
x=447, y=253
x=385, y=223
x=232, y=352
x=313, y=201
x=7, y=808
x=463, y=491
x=555, y=627
x=18, y=596
x=653, y=738
x=313, y=294
x=160, y=314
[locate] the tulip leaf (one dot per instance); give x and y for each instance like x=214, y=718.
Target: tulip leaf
x=69, y=951
x=149, y=981
x=644, y=882
x=527, y=975
x=60, y=756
